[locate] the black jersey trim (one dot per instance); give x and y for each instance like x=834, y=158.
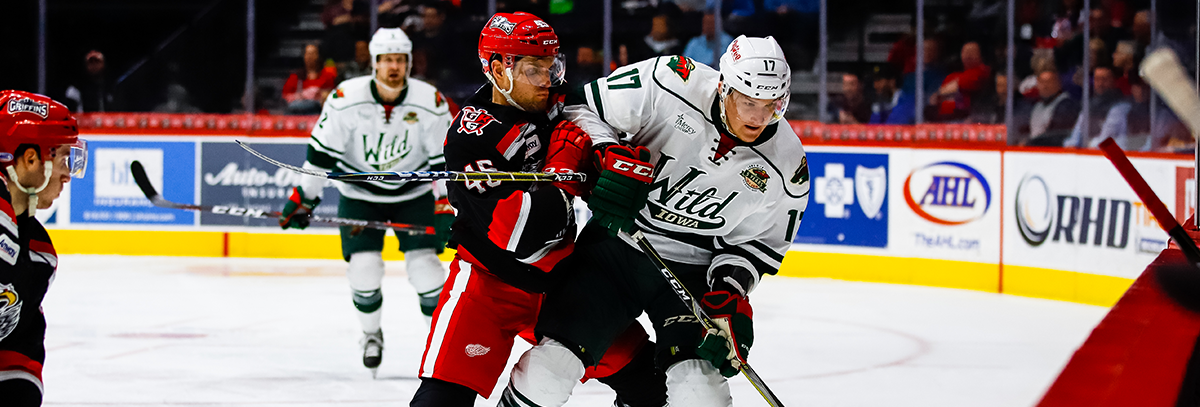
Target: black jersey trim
x=320, y=158
x=598, y=102
x=757, y=245
x=319, y=143
x=654, y=75
x=761, y=266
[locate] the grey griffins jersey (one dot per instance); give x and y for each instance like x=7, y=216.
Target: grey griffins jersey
x=715, y=200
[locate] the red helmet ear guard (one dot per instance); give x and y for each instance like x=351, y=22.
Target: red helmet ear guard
x=511, y=35
x=30, y=118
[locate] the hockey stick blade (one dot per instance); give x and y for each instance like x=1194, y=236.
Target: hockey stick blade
x=705, y=320
x=143, y=182
x=1164, y=72
x=369, y=176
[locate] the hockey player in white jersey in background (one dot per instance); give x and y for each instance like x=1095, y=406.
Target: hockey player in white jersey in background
x=384, y=122
x=719, y=183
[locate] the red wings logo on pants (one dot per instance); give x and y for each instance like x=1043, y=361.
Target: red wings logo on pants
x=473, y=120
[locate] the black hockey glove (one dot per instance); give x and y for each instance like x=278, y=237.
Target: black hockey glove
x=625, y=177
x=297, y=210
x=727, y=345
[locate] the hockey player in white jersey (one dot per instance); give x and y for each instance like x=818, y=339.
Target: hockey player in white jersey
x=383, y=122
x=717, y=182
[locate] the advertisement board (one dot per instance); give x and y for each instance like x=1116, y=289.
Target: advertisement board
x=1075, y=213
x=849, y=201
x=946, y=204
x=229, y=175
x=108, y=194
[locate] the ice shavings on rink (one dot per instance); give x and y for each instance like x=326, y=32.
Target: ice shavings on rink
x=168, y=331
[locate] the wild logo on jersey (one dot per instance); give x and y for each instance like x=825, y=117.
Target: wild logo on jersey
x=383, y=157
x=688, y=208
x=474, y=120
x=10, y=310
x=682, y=66
x=801, y=175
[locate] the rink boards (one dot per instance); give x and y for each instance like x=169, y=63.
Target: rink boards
x=1032, y=222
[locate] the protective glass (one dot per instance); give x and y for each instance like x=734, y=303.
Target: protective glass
x=77, y=159
x=544, y=72
x=758, y=112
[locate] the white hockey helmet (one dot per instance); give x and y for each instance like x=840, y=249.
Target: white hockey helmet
x=391, y=41
x=756, y=67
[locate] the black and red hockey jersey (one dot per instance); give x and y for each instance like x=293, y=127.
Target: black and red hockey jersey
x=517, y=231
x=27, y=267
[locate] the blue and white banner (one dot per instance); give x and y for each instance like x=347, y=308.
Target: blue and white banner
x=849, y=202
x=108, y=193
x=231, y=176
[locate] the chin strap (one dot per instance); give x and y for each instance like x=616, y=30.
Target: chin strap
x=32, y=192
x=391, y=89
x=507, y=93
x=725, y=91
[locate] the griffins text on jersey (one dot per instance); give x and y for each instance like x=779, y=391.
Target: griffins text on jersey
x=672, y=201
x=472, y=120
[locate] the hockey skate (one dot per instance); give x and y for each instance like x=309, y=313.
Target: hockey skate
x=372, y=344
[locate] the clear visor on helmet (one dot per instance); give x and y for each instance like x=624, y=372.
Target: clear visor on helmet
x=758, y=112
x=76, y=160
x=543, y=72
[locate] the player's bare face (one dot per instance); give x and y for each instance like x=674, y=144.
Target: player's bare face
x=390, y=69
x=532, y=79
x=748, y=116
x=60, y=175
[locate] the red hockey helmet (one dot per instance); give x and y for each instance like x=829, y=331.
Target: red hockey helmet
x=30, y=118
x=513, y=35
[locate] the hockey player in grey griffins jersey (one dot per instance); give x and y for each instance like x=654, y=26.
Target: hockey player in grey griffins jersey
x=383, y=122
x=729, y=187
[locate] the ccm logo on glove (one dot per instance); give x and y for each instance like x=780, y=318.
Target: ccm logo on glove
x=633, y=168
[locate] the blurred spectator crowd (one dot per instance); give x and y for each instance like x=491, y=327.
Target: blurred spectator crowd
x=964, y=76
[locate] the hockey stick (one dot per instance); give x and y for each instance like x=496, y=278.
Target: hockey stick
x=1164, y=72
x=703, y=317
x=143, y=182
x=1156, y=207
x=424, y=175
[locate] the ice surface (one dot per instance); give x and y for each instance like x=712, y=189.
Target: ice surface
x=166, y=331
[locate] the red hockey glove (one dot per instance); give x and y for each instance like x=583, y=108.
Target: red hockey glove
x=625, y=177
x=568, y=152
x=297, y=210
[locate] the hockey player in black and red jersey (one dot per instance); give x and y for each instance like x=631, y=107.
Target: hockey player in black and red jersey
x=723, y=184
x=510, y=235
x=40, y=150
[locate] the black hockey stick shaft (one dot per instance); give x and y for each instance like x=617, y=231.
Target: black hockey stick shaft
x=143, y=182
x=423, y=175
x=1155, y=205
x=690, y=300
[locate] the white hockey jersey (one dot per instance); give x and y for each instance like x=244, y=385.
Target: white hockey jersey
x=357, y=132
x=715, y=200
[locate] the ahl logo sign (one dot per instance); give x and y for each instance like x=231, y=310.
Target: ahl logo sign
x=950, y=193
x=1044, y=216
